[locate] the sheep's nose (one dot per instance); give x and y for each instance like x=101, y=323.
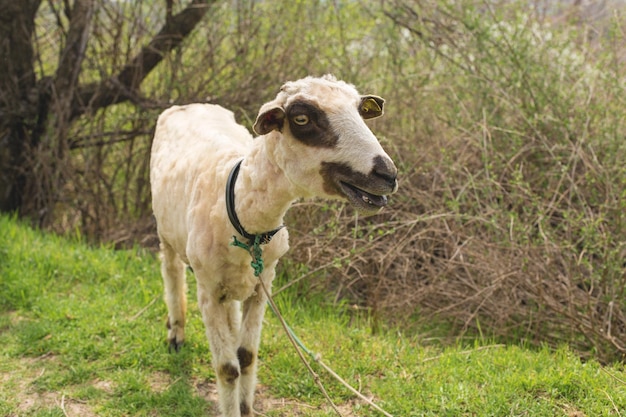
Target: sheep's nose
x=385, y=169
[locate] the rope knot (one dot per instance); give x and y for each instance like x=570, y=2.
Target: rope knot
x=255, y=250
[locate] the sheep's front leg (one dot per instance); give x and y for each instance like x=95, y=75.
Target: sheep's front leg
x=173, y=272
x=222, y=321
x=247, y=353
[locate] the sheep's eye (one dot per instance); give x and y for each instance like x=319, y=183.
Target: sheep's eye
x=301, y=119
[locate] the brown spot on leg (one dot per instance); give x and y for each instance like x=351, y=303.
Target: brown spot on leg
x=172, y=343
x=245, y=358
x=229, y=372
x=169, y=325
x=245, y=409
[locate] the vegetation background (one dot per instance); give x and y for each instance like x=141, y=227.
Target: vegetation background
x=506, y=120
x=82, y=335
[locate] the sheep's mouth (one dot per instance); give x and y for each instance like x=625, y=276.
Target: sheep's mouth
x=361, y=199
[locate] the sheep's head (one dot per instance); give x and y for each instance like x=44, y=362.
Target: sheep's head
x=325, y=147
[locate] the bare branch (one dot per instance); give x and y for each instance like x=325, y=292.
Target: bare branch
x=169, y=7
x=124, y=85
x=74, y=52
x=107, y=138
x=57, y=15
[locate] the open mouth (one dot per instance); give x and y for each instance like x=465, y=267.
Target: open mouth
x=361, y=199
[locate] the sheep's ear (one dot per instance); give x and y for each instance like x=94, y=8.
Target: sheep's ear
x=269, y=118
x=371, y=107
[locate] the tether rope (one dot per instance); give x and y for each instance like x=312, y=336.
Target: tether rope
x=299, y=347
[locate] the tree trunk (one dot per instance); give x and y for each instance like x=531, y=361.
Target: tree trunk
x=19, y=97
x=36, y=115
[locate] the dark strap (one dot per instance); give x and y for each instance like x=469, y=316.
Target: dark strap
x=264, y=238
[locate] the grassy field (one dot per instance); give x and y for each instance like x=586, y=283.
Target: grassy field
x=82, y=334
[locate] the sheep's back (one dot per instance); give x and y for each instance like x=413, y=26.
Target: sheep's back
x=193, y=151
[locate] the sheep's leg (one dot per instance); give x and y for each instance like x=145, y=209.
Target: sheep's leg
x=222, y=321
x=247, y=353
x=173, y=272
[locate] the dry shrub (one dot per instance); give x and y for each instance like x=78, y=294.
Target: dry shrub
x=512, y=266
x=510, y=219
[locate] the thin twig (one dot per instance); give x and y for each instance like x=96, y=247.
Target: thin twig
x=613, y=403
x=143, y=310
x=621, y=381
x=465, y=352
x=308, y=274
x=63, y=406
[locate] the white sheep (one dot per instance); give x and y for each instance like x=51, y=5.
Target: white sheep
x=313, y=143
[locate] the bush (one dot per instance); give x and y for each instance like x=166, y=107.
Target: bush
x=508, y=128
x=510, y=218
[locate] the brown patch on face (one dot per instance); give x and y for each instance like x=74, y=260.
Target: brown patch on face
x=317, y=131
x=381, y=180
x=333, y=172
x=366, y=192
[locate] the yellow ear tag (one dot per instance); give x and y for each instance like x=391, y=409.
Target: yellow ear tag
x=370, y=105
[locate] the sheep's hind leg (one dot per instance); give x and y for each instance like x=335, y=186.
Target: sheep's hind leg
x=173, y=272
x=247, y=353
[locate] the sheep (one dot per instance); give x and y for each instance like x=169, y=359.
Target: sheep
x=313, y=142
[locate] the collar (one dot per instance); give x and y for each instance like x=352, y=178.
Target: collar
x=264, y=238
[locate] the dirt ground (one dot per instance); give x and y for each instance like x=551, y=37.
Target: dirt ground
x=30, y=400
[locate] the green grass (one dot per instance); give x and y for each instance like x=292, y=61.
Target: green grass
x=82, y=333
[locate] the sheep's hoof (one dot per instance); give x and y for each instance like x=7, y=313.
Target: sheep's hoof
x=174, y=345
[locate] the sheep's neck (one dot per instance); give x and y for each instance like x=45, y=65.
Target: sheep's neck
x=263, y=193
x=261, y=238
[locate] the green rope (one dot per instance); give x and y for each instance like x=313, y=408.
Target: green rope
x=313, y=355
x=255, y=251
x=296, y=342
